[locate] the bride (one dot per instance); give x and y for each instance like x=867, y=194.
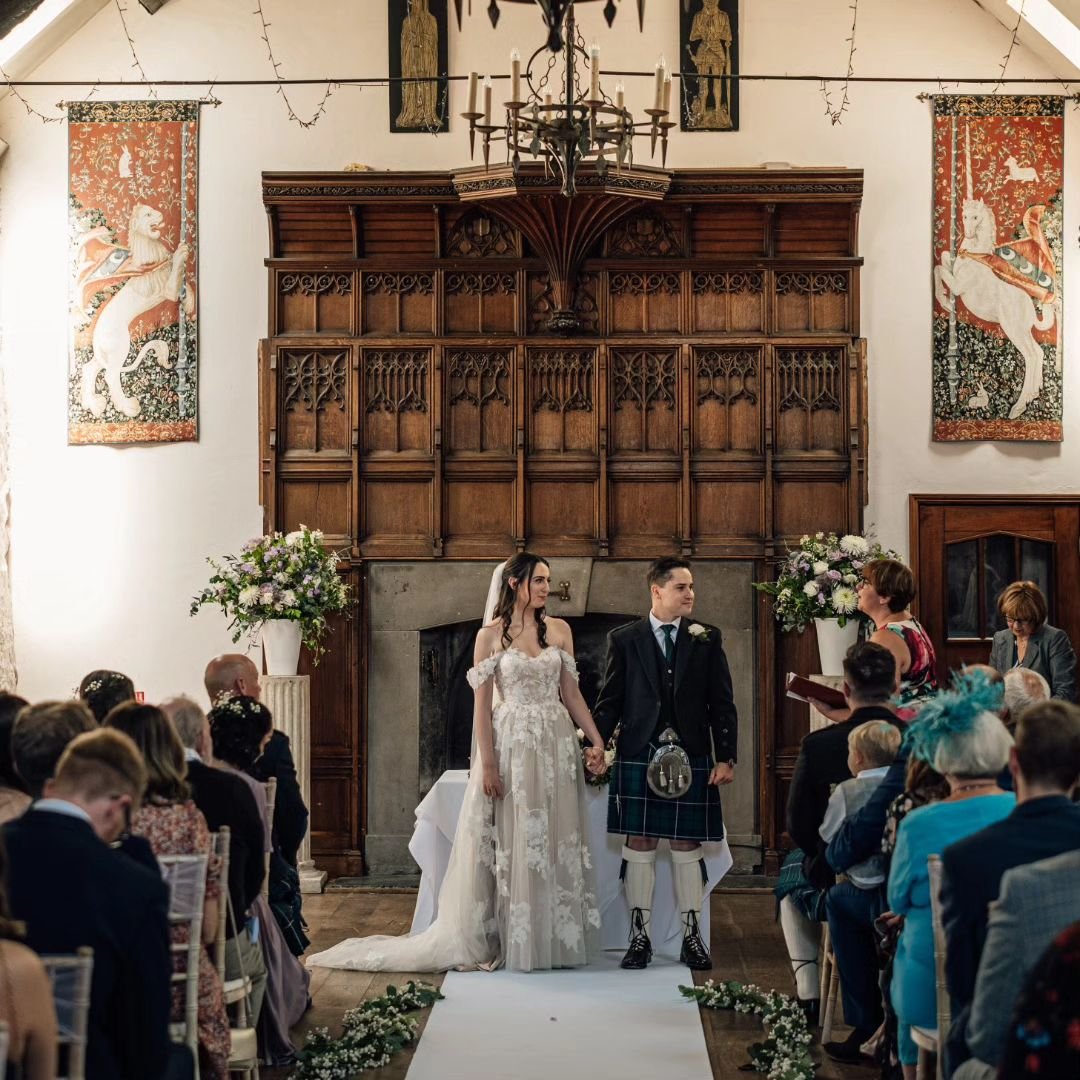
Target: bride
x=518, y=889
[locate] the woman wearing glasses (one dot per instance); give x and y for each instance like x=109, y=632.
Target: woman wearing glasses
x=1029, y=641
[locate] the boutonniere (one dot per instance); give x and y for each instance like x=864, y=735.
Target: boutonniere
x=698, y=632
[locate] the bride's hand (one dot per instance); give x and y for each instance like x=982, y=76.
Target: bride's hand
x=493, y=785
x=596, y=761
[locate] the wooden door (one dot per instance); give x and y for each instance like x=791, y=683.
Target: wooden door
x=966, y=549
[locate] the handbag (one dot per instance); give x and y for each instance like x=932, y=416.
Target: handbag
x=669, y=773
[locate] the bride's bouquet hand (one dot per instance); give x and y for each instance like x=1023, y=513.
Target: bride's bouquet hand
x=492, y=782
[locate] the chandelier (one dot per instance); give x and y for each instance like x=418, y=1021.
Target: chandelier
x=571, y=121
x=553, y=12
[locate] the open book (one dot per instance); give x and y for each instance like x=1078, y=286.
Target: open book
x=803, y=689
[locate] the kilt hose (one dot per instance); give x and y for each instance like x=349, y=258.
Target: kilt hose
x=634, y=809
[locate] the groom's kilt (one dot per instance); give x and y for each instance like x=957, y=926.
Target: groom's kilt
x=634, y=809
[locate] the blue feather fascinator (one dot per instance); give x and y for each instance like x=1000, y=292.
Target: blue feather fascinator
x=953, y=711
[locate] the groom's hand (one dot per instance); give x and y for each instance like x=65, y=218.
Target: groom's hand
x=722, y=774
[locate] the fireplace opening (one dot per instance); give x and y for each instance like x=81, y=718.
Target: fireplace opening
x=446, y=700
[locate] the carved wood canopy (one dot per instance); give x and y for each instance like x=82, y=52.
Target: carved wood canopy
x=417, y=404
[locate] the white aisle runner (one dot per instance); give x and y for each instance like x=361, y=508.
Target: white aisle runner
x=582, y=1024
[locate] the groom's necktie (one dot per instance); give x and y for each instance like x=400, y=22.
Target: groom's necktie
x=669, y=641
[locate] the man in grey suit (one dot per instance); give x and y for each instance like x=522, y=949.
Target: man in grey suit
x=1037, y=902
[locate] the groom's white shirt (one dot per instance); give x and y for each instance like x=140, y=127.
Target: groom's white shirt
x=655, y=623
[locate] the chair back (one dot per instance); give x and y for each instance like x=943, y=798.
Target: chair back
x=219, y=845
x=70, y=977
x=186, y=877
x=271, y=799
x=944, y=1006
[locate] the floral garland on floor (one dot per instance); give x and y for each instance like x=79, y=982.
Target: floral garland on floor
x=371, y=1035
x=785, y=1053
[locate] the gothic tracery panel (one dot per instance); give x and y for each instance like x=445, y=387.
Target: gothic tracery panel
x=476, y=235
x=809, y=398
x=644, y=414
x=727, y=389
x=725, y=301
x=314, y=400
x=398, y=302
x=814, y=300
x=649, y=234
x=561, y=396
x=396, y=404
x=478, y=387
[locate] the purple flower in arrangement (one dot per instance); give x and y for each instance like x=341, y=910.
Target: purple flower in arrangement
x=857, y=564
x=248, y=567
x=821, y=598
x=834, y=575
x=834, y=556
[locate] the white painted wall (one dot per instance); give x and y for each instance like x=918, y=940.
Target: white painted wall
x=108, y=543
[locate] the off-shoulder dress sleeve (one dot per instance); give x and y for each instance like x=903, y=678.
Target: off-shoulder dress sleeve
x=483, y=671
x=569, y=663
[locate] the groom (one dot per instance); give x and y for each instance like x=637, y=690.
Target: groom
x=667, y=672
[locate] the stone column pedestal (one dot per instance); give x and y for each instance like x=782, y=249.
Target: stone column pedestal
x=288, y=697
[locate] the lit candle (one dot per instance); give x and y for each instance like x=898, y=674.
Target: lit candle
x=547, y=102
x=661, y=71
x=667, y=93
x=594, y=69
x=515, y=75
x=472, y=91
x=487, y=100
x=620, y=96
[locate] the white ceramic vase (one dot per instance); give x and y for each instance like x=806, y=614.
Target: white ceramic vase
x=833, y=642
x=281, y=646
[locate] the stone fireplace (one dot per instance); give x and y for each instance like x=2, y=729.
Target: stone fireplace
x=423, y=618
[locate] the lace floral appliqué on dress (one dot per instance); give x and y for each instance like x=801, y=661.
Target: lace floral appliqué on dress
x=519, y=887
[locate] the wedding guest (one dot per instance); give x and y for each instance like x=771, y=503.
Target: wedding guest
x=39, y=736
x=969, y=745
x=1029, y=641
x=72, y=890
x=1023, y=688
x=226, y=800
x=174, y=826
x=1045, y=764
x=26, y=999
x=241, y=727
x=235, y=673
x=869, y=681
x=13, y=795
x=103, y=690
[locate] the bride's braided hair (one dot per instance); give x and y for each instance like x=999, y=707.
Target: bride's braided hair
x=520, y=568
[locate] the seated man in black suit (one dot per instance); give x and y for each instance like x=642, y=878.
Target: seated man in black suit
x=869, y=681
x=234, y=673
x=72, y=890
x=225, y=799
x=1045, y=763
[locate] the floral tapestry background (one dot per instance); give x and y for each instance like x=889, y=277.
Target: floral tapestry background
x=998, y=163
x=132, y=194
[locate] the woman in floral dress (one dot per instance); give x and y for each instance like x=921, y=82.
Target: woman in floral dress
x=173, y=825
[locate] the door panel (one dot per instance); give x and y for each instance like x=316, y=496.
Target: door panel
x=967, y=549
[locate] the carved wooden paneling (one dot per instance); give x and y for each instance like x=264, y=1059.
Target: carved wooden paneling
x=314, y=302
x=809, y=399
x=397, y=404
x=644, y=414
x=314, y=401
x=541, y=303
x=650, y=234
x=727, y=398
x=479, y=384
x=480, y=302
x=812, y=300
x=644, y=301
x=420, y=397
x=398, y=302
x=562, y=399
x=727, y=301
x=475, y=234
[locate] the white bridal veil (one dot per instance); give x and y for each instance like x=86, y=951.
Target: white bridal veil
x=464, y=933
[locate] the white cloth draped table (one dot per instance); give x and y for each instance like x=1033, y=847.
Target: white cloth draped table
x=433, y=834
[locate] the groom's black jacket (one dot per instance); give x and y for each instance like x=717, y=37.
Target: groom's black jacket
x=633, y=691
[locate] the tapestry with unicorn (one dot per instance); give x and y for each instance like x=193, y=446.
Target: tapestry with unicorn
x=132, y=202
x=997, y=347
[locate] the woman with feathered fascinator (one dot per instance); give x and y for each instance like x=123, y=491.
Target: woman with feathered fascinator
x=960, y=733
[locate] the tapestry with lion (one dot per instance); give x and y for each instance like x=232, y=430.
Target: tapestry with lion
x=997, y=348
x=132, y=194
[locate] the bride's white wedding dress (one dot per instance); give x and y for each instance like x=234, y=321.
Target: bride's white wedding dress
x=519, y=888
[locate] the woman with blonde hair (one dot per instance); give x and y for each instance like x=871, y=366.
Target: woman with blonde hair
x=173, y=825
x=1029, y=641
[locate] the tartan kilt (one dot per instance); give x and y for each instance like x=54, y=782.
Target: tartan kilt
x=634, y=809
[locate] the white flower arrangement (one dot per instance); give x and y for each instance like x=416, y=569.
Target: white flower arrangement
x=818, y=579
x=279, y=577
x=371, y=1035
x=785, y=1052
